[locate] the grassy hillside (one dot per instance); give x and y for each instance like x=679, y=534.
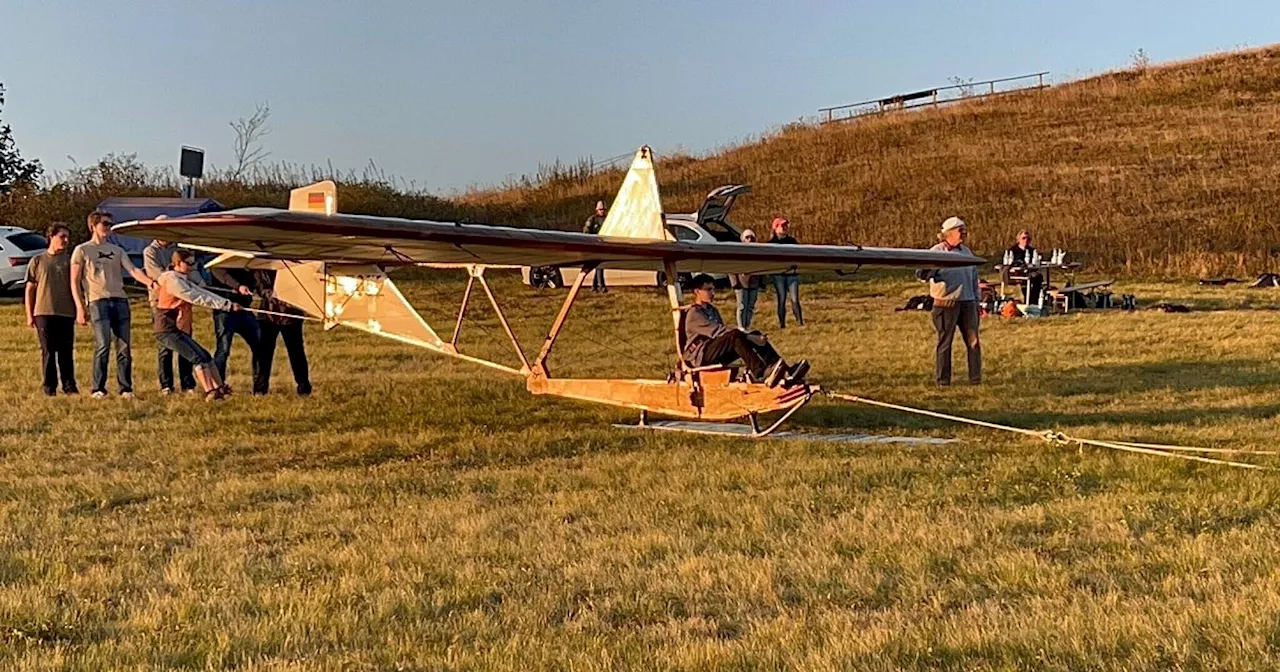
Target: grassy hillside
x=1170, y=171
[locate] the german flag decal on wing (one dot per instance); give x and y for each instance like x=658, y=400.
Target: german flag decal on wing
x=319, y=197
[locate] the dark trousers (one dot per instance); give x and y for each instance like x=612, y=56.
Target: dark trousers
x=726, y=348
x=597, y=281
x=57, y=352
x=291, y=334
x=164, y=367
x=1020, y=279
x=945, y=320
x=226, y=326
x=110, y=319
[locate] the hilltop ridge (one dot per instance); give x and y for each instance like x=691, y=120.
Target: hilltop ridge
x=1167, y=170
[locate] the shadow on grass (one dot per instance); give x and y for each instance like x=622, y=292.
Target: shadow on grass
x=1178, y=376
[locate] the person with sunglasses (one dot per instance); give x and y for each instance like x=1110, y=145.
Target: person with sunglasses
x=51, y=311
x=101, y=266
x=1016, y=272
x=175, y=295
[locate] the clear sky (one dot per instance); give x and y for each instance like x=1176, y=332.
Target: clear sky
x=451, y=94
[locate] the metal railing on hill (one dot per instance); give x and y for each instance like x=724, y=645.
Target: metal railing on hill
x=932, y=97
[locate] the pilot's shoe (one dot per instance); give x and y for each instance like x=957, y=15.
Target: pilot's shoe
x=796, y=374
x=775, y=373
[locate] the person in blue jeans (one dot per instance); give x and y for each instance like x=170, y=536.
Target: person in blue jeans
x=175, y=295
x=101, y=266
x=746, y=288
x=787, y=283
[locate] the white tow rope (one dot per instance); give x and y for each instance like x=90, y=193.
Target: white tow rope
x=1177, y=452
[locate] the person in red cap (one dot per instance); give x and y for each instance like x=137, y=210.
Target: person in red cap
x=787, y=283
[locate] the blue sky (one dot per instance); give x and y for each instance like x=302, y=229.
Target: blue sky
x=451, y=94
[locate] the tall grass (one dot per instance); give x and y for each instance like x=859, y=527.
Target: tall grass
x=69, y=196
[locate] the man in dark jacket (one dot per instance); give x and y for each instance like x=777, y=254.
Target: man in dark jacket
x=710, y=342
x=287, y=328
x=1021, y=253
x=238, y=285
x=592, y=226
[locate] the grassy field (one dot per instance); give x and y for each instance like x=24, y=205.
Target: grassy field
x=420, y=513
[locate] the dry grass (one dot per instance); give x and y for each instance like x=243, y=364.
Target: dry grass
x=1167, y=173
x=420, y=513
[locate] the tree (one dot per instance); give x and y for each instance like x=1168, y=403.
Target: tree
x=14, y=170
x=248, y=151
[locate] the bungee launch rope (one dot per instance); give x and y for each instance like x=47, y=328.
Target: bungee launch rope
x=1056, y=437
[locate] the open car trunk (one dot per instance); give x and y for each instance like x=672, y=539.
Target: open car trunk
x=713, y=216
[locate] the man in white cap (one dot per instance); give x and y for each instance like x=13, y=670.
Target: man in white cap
x=955, y=303
x=592, y=226
x=746, y=287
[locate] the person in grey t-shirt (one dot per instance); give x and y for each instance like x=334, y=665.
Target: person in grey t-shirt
x=101, y=266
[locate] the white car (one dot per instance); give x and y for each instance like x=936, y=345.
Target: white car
x=709, y=224
x=17, y=246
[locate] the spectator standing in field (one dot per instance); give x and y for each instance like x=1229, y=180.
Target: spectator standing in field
x=592, y=226
x=289, y=329
x=227, y=324
x=955, y=303
x=51, y=311
x=175, y=295
x=101, y=266
x=787, y=283
x=746, y=287
x=155, y=261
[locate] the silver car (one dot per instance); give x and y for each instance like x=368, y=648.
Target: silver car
x=709, y=224
x=17, y=246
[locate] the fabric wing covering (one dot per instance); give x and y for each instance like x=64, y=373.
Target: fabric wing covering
x=359, y=239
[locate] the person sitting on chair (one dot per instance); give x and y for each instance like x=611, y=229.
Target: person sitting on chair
x=1021, y=253
x=709, y=342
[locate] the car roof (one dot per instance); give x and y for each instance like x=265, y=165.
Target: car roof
x=8, y=230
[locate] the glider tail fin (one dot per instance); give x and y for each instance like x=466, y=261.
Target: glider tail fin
x=637, y=210
x=321, y=197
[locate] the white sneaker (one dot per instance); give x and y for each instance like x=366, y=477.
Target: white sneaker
x=99, y=395
x=126, y=395
x=166, y=391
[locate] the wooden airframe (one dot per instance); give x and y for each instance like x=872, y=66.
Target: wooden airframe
x=334, y=267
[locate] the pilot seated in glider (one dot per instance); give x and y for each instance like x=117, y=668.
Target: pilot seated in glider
x=709, y=342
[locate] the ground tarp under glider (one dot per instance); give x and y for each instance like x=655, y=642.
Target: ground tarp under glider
x=632, y=240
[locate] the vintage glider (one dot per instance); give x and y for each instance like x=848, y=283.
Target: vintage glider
x=334, y=267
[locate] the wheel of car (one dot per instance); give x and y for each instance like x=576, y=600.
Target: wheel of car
x=545, y=277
